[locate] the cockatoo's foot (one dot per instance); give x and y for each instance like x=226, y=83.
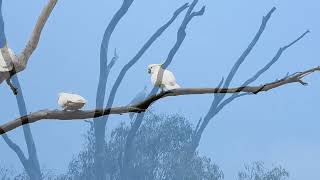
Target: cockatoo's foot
x=14, y=90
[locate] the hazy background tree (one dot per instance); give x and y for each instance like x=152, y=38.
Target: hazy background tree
x=258, y=171
x=158, y=152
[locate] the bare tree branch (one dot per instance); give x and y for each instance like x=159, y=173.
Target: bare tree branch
x=113, y=60
x=217, y=105
x=35, y=37
x=237, y=65
x=143, y=106
x=16, y=149
x=31, y=147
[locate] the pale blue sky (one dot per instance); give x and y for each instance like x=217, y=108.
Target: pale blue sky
x=278, y=127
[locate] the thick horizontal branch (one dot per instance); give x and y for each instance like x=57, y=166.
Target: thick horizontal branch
x=143, y=106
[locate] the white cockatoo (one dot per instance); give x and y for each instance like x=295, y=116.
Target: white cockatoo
x=7, y=57
x=168, y=81
x=72, y=102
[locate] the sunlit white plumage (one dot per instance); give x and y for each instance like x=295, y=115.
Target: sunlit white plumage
x=6, y=58
x=168, y=80
x=69, y=101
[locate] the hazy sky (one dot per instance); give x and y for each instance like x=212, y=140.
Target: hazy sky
x=278, y=127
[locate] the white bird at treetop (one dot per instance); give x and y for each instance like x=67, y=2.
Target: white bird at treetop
x=72, y=102
x=168, y=81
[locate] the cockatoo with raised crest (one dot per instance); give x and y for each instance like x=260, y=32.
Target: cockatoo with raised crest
x=71, y=102
x=167, y=82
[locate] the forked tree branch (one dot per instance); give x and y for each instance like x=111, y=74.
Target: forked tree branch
x=144, y=105
x=21, y=62
x=220, y=101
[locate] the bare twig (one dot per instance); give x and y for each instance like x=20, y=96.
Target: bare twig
x=17, y=150
x=113, y=60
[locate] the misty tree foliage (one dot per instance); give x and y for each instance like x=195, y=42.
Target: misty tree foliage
x=257, y=171
x=7, y=173
x=159, y=151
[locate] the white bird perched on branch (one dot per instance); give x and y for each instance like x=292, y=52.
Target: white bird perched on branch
x=7, y=57
x=70, y=101
x=167, y=81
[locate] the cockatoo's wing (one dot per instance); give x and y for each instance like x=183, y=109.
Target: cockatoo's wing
x=170, y=87
x=71, y=101
x=168, y=78
x=62, y=101
x=75, y=98
x=169, y=81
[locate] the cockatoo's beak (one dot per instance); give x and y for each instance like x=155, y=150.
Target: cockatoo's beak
x=149, y=71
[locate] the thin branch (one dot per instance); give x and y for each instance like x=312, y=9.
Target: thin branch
x=236, y=66
x=3, y=40
x=13, y=89
x=36, y=33
x=31, y=147
x=217, y=105
x=267, y=66
x=113, y=60
x=274, y=60
x=16, y=149
x=143, y=106
x=197, y=127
